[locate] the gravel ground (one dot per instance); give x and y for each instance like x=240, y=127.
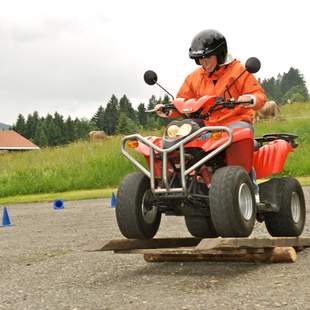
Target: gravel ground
x=44, y=265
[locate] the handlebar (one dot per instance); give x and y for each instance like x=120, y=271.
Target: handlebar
x=219, y=104
x=165, y=108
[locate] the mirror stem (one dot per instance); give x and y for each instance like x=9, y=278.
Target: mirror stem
x=165, y=90
x=228, y=87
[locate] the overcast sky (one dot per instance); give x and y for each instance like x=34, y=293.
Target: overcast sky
x=71, y=56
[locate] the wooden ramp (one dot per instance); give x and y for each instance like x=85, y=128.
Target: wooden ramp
x=267, y=250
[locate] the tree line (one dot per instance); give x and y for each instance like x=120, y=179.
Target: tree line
x=117, y=117
x=288, y=87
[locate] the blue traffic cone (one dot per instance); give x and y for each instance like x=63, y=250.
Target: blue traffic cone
x=6, y=219
x=58, y=204
x=113, y=201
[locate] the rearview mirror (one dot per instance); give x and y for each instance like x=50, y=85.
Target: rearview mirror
x=150, y=77
x=252, y=65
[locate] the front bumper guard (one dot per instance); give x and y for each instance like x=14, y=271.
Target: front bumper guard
x=164, y=152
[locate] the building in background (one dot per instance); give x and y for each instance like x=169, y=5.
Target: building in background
x=12, y=141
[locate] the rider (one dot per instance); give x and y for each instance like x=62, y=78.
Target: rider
x=219, y=74
x=217, y=71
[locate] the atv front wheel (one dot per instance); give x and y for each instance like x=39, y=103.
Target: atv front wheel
x=136, y=215
x=290, y=220
x=232, y=204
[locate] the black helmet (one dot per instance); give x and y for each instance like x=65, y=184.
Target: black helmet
x=206, y=43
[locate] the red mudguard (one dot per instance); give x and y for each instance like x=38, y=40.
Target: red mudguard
x=240, y=152
x=270, y=158
x=145, y=150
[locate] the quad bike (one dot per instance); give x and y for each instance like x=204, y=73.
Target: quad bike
x=202, y=173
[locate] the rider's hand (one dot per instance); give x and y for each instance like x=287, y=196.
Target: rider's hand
x=158, y=109
x=247, y=98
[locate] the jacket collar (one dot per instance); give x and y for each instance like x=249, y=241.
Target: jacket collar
x=221, y=68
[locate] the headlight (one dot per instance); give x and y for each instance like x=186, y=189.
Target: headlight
x=172, y=131
x=185, y=130
x=175, y=131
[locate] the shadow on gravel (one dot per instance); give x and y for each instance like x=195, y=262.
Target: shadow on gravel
x=187, y=274
x=198, y=269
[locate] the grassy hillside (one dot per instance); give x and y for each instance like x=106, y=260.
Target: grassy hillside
x=85, y=165
x=79, y=165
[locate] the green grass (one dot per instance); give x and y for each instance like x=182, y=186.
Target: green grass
x=87, y=166
x=81, y=165
x=72, y=195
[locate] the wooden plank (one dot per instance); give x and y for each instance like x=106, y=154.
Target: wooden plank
x=253, y=242
x=193, y=246
x=189, y=251
x=269, y=255
x=131, y=244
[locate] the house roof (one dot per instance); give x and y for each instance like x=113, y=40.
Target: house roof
x=11, y=140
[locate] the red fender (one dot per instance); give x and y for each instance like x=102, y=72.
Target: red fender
x=270, y=158
x=238, y=135
x=144, y=149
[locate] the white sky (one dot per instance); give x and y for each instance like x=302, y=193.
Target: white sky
x=71, y=56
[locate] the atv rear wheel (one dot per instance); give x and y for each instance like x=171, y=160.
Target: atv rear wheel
x=200, y=226
x=136, y=216
x=232, y=204
x=290, y=220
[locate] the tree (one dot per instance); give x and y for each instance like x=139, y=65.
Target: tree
x=152, y=118
x=295, y=94
x=111, y=116
x=98, y=119
x=152, y=103
x=52, y=131
x=70, y=130
x=60, y=134
x=40, y=137
x=82, y=128
x=285, y=86
x=20, y=125
x=292, y=78
x=125, y=106
x=142, y=116
x=125, y=125
x=31, y=125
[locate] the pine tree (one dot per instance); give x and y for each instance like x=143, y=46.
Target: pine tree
x=40, y=137
x=126, y=125
x=98, y=119
x=31, y=125
x=142, y=116
x=290, y=85
x=151, y=117
x=125, y=106
x=53, y=131
x=293, y=83
x=111, y=116
x=70, y=130
x=152, y=103
x=82, y=128
x=20, y=125
x=60, y=135
x=295, y=94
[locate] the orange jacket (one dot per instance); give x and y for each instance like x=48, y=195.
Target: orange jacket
x=199, y=84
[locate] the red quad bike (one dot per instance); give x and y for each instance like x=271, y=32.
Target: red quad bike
x=202, y=173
